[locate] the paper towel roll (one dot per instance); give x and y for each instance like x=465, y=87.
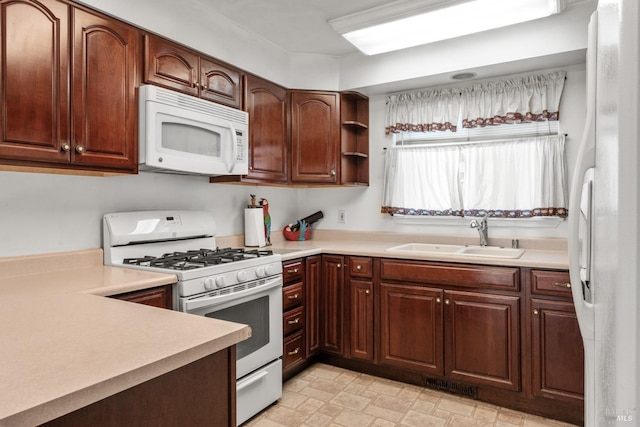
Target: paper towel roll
x=254, y=227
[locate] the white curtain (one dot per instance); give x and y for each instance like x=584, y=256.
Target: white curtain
x=531, y=98
x=517, y=178
x=423, y=111
x=422, y=181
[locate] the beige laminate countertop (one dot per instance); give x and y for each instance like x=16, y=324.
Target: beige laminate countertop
x=64, y=345
x=539, y=252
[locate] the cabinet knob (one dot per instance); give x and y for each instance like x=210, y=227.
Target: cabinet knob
x=562, y=284
x=294, y=296
x=367, y=292
x=333, y=172
x=79, y=149
x=65, y=147
x=358, y=267
x=535, y=312
x=447, y=302
x=196, y=85
x=438, y=300
x=339, y=266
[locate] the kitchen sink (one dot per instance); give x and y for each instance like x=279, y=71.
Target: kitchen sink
x=491, y=251
x=458, y=250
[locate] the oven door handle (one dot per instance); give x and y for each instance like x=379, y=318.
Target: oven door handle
x=212, y=301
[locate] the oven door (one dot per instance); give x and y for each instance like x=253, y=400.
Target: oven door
x=258, y=306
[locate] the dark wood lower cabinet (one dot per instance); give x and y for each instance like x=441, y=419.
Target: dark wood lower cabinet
x=201, y=393
x=504, y=335
x=411, y=328
x=161, y=297
x=360, y=306
x=482, y=339
x=557, y=351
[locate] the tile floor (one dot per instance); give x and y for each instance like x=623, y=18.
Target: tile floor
x=327, y=396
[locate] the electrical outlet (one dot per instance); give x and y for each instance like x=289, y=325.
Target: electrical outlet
x=342, y=217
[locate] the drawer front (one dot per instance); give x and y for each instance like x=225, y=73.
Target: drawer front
x=471, y=276
x=551, y=282
x=292, y=321
x=293, y=351
x=292, y=271
x=361, y=267
x=292, y=296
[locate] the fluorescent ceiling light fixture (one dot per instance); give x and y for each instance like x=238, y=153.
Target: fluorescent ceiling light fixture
x=408, y=23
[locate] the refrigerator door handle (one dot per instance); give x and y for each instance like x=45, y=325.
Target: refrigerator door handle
x=584, y=173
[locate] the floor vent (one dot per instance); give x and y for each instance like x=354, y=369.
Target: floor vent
x=451, y=387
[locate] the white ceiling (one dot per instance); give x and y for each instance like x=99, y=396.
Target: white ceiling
x=298, y=26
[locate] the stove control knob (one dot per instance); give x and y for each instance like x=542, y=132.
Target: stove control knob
x=269, y=270
x=209, y=284
x=260, y=271
x=242, y=276
x=220, y=281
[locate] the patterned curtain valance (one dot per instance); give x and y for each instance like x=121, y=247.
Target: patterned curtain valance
x=423, y=111
x=531, y=98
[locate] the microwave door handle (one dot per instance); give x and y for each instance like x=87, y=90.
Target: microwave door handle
x=234, y=147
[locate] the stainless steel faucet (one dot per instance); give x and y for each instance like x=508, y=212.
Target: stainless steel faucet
x=483, y=229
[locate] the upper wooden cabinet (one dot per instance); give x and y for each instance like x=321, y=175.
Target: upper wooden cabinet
x=315, y=137
x=36, y=106
x=35, y=71
x=267, y=104
x=105, y=111
x=176, y=67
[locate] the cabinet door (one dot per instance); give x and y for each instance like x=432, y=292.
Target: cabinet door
x=360, y=308
x=411, y=331
x=34, y=84
x=220, y=83
x=313, y=277
x=557, y=351
x=332, y=303
x=104, y=93
x=266, y=104
x=482, y=339
x=315, y=137
x=170, y=65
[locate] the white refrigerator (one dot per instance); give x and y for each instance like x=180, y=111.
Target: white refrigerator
x=604, y=218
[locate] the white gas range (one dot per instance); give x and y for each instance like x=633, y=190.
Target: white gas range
x=234, y=284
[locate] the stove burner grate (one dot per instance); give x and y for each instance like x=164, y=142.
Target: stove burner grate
x=197, y=258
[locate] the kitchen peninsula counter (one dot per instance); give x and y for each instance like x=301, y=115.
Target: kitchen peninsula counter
x=65, y=346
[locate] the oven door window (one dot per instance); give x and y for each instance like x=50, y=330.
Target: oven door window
x=254, y=313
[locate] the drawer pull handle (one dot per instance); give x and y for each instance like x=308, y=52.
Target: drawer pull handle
x=294, y=321
x=562, y=284
x=294, y=296
x=294, y=352
x=295, y=270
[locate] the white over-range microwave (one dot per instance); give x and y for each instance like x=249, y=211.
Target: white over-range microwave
x=183, y=134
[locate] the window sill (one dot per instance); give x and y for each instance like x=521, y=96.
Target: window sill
x=540, y=222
